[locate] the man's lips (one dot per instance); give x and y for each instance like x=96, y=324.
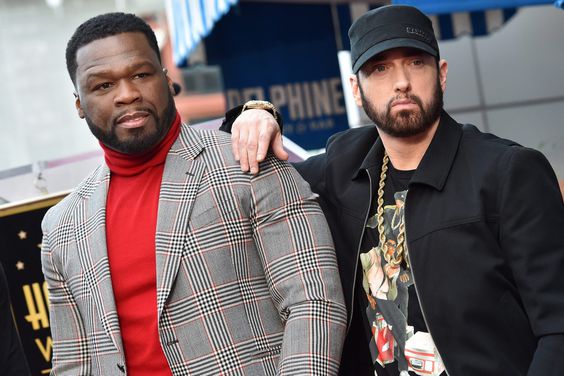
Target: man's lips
x=132, y=119
x=403, y=102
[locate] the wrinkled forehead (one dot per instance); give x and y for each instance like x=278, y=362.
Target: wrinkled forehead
x=115, y=51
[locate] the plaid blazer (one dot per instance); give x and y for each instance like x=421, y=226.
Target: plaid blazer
x=247, y=280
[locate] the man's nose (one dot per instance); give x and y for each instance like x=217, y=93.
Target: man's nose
x=127, y=93
x=401, y=80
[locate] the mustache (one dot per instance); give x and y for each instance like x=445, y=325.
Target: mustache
x=411, y=97
x=130, y=110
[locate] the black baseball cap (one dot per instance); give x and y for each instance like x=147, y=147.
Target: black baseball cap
x=388, y=27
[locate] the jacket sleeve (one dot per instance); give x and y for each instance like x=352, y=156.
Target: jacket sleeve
x=70, y=348
x=532, y=236
x=314, y=169
x=232, y=114
x=298, y=257
x=229, y=118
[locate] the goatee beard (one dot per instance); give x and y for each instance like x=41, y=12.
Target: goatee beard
x=141, y=142
x=406, y=123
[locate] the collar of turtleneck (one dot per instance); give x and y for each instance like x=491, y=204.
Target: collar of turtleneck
x=130, y=165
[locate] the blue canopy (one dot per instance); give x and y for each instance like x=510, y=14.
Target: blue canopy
x=453, y=6
x=192, y=20
x=453, y=18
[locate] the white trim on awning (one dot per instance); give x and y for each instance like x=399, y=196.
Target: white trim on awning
x=456, y=6
x=191, y=21
x=454, y=25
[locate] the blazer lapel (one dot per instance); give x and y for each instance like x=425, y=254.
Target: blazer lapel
x=180, y=183
x=90, y=229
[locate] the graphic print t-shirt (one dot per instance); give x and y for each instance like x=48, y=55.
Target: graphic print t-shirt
x=392, y=313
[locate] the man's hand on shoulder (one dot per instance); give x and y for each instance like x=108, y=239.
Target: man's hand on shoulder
x=253, y=132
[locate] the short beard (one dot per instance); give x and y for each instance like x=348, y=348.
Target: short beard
x=140, y=142
x=406, y=123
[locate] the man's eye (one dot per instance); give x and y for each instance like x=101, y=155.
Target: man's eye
x=103, y=86
x=374, y=68
x=417, y=62
x=141, y=75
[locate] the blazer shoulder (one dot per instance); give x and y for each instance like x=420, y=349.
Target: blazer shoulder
x=219, y=155
x=211, y=147
x=56, y=213
x=210, y=137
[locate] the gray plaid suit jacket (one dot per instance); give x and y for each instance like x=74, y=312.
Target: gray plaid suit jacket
x=247, y=280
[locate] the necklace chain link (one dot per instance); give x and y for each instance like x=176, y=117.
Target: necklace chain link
x=393, y=258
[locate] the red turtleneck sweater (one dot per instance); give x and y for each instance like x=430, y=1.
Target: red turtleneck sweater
x=131, y=220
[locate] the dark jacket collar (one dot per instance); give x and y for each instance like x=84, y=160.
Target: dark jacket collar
x=437, y=161
x=374, y=156
x=439, y=157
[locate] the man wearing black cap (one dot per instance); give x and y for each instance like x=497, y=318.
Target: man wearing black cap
x=445, y=235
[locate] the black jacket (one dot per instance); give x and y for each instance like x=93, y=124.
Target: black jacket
x=12, y=358
x=485, y=233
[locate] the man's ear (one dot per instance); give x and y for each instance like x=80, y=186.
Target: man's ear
x=79, y=109
x=169, y=82
x=443, y=71
x=353, y=80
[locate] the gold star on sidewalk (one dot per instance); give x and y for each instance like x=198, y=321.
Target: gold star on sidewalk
x=20, y=265
x=22, y=235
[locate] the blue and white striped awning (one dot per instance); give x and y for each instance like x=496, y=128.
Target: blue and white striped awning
x=454, y=18
x=454, y=6
x=190, y=21
x=477, y=23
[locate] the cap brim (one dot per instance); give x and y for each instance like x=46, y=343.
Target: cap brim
x=388, y=45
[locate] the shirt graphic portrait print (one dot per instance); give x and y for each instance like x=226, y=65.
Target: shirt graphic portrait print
x=386, y=288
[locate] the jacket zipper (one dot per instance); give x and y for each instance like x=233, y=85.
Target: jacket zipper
x=358, y=250
x=415, y=285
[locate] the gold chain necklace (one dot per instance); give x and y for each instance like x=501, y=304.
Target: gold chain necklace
x=392, y=258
